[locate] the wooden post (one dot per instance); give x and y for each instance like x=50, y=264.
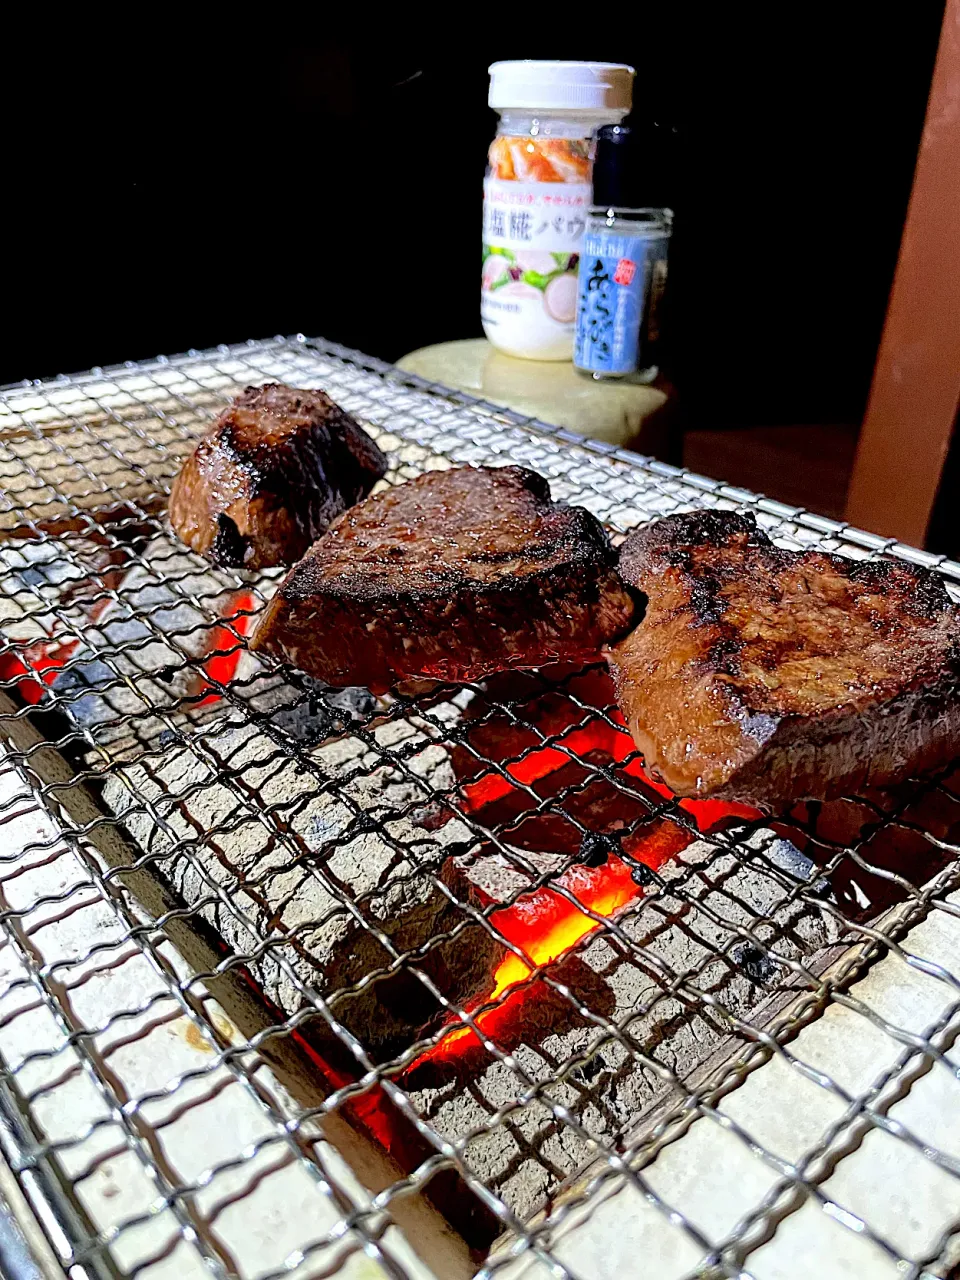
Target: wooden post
x=916, y=383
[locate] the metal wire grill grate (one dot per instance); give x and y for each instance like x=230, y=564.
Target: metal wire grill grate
x=245, y=922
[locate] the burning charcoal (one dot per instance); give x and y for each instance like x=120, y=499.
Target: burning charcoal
x=560, y=747
x=596, y=847
x=153, y=624
x=822, y=889
x=616, y=815
x=36, y=575
x=539, y=708
x=530, y=1016
x=355, y=702
x=307, y=721
x=545, y=924
x=44, y=564
x=785, y=855
x=90, y=708
x=590, y=1069
x=312, y=712
x=687, y=922
x=642, y=875
x=755, y=963
x=339, y=892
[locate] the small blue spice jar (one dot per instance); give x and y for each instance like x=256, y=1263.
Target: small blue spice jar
x=623, y=272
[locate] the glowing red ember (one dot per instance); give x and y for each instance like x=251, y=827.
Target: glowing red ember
x=599, y=735
x=222, y=655
x=544, y=925
x=36, y=666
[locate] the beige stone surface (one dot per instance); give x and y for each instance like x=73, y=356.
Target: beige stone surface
x=620, y=413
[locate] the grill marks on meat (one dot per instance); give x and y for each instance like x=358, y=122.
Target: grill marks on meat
x=270, y=475
x=766, y=675
x=454, y=575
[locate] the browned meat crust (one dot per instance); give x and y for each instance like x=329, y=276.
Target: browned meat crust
x=268, y=477
x=453, y=576
x=766, y=675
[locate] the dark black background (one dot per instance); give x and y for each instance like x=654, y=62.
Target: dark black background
x=183, y=187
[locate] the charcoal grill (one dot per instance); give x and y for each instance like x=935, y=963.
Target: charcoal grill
x=299, y=982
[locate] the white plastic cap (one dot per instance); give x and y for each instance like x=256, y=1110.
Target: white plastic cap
x=576, y=86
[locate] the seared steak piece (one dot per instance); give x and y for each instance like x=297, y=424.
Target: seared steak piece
x=268, y=477
x=766, y=675
x=453, y=575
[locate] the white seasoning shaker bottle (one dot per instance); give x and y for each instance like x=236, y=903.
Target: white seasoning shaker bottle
x=536, y=195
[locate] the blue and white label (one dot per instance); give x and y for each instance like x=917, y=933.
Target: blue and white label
x=614, y=277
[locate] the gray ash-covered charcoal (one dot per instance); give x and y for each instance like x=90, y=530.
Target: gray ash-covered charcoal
x=310, y=711
x=689, y=927
x=243, y=823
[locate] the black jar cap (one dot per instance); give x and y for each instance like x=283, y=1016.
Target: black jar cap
x=616, y=182
x=629, y=170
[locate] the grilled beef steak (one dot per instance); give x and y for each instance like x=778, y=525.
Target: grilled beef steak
x=268, y=477
x=453, y=576
x=765, y=675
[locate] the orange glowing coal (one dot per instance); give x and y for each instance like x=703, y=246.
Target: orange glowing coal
x=35, y=667
x=545, y=925
x=599, y=735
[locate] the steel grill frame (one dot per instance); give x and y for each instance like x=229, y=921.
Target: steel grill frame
x=110, y=441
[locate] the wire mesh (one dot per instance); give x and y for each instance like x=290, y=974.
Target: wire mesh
x=295, y=979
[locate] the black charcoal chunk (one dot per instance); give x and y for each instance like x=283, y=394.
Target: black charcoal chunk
x=596, y=847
